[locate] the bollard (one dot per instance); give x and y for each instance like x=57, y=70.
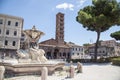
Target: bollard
x=44, y=73
x=72, y=70
x=79, y=67
x=2, y=70
x=71, y=62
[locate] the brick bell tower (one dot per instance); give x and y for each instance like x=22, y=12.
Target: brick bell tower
x=60, y=28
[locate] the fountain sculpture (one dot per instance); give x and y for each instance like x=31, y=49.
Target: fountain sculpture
x=31, y=60
x=34, y=53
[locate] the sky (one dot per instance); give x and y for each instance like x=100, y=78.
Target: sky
x=42, y=14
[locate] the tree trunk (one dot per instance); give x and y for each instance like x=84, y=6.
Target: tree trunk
x=96, y=46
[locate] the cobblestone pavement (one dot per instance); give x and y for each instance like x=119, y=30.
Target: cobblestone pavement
x=90, y=72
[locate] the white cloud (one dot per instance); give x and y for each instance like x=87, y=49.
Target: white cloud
x=81, y=2
x=65, y=6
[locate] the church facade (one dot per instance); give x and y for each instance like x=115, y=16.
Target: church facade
x=57, y=48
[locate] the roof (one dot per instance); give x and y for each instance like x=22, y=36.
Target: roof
x=60, y=13
x=16, y=17
x=49, y=41
x=53, y=43
x=71, y=44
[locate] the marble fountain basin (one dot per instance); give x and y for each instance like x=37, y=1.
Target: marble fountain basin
x=31, y=68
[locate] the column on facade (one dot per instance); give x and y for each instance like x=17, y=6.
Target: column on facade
x=61, y=55
x=52, y=51
x=57, y=55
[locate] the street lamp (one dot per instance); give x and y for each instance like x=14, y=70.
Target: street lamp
x=4, y=48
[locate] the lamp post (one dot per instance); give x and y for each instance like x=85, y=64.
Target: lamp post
x=4, y=49
x=0, y=50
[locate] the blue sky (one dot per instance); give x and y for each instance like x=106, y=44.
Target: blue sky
x=42, y=14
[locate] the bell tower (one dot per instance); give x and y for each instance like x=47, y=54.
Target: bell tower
x=60, y=28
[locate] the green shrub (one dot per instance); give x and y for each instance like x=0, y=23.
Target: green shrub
x=116, y=61
x=101, y=60
x=79, y=60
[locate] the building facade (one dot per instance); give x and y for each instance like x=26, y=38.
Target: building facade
x=103, y=51
x=109, y=48
x=114, y=44
x=77, y=52
x=55, y=51
x=10, y=34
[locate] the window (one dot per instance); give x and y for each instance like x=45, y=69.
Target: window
x=60, y=54
x=61, y=19
x=22, y=35
x=1, y=21
x=15, y=33
x=61, y=24
x=22, y=39
x=103, y=51
x=9, y=22
x=61, y=28
x=99, y=51
x=0, y=31
x=81, y=49
x=73, y=49
x=6, y=42
x=73, y=53
x=61, y=16
x=76, y=49
x=7, y=32
x=64, y=54
x=16, y=23
x=14, y=43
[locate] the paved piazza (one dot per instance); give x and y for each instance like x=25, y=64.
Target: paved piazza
x=90, y=72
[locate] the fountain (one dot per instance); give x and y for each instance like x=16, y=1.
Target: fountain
x=31, y=60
